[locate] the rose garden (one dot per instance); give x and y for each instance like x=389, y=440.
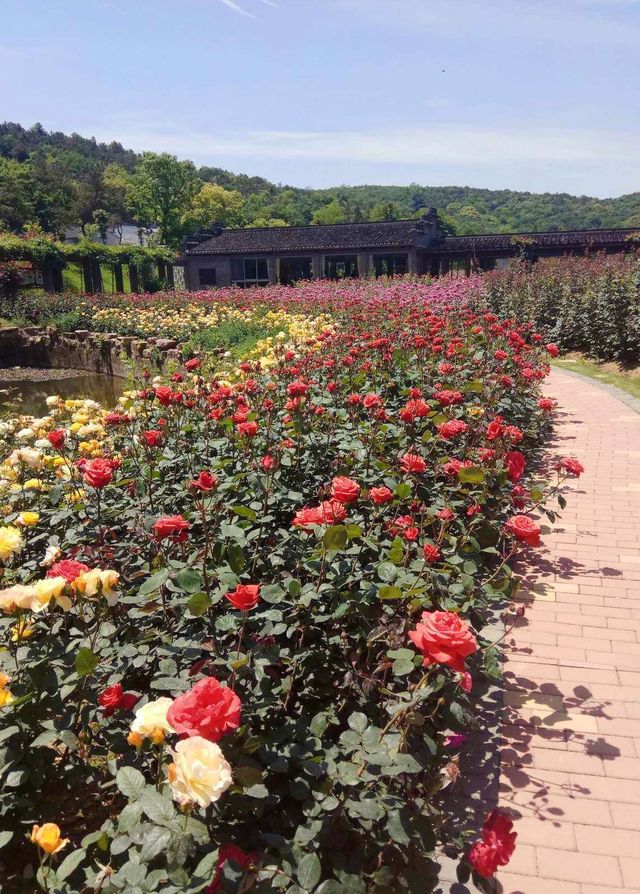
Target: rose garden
x=248, y=611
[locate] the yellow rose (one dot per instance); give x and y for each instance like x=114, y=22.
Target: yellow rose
x=48, y=589
x=21, y=630
x=150, y=721
x=11, y=542
x=97, y=581
x=48, y=838
x=200, y=774
x=15, y=597
x=5, y=698
x=29, y=519
x=33, y=484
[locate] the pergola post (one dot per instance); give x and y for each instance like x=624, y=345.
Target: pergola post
x=57, y=279
x=170, y=278
x=47, y=277
x=134, y=279
x=87, y=276
x=162, y=270
x=119, y=279
x=96, y=274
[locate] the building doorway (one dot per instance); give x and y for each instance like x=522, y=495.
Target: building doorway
x=294, y=270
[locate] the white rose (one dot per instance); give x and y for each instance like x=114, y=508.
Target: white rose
x=25, y=434
x=51, y=554
x=199, y=773
x=17, y=596
x=53, y=400
x=151, y=719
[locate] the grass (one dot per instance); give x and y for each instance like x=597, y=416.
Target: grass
x=73, y=282
x=610, y=373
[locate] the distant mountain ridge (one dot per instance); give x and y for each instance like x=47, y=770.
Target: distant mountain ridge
x=467, y=210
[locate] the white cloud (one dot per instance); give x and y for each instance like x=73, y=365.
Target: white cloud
x=231, y=4
x=438, y=145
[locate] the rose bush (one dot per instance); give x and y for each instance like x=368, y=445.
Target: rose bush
x=239, y=653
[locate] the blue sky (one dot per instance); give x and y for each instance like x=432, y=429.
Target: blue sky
x=540, y=95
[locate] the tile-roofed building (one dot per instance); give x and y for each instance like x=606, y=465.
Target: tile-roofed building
x=265, y=255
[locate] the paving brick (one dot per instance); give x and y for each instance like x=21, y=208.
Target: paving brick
x=578, y=867
x=570, y=750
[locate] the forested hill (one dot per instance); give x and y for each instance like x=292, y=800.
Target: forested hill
x=60, y=181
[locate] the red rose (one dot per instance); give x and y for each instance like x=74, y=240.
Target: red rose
x=98, y=473
x=193, y=364
x=328, y=513
x=209, y=710
x=446, y=514
x=236, y=855
x=571, y=465
x=495, y=430
x=412, y=462
x=152, y=438
x=553, y=349
x=244, y=597
x=524, y=529
x=546, y=403
x=164, y=395
x=515, y=464
x=452, y=429
x=248, y=429
x=113, y=698
x=69, y=569
x=56, y=438
x=496, y=847
x=431, y=553
x=380, y=495
x=205, y=482
x=444, y=638
x=297, y=389
x=174, y=526
x=345, y=490
x=267, y=462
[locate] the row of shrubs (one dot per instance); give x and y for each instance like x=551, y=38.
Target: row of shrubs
x=243, y=620
x=591, y=305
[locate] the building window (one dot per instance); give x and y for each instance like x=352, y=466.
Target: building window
x=295, y=269
x=207, y=276
x=391, y=265
x=341, y=267
x=249, y=272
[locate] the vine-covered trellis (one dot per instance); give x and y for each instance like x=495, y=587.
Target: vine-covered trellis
x=51, y=257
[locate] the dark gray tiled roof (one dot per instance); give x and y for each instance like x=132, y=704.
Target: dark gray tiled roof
x=563, y=238
x=338, y=237
x=392, y=235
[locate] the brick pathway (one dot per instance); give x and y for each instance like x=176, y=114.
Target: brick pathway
x=570, y=759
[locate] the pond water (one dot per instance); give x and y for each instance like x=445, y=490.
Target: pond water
x=26, y=390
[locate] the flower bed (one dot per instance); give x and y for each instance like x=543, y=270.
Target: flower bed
x=243, y=616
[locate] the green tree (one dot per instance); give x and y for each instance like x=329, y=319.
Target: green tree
x=268, y=222
x=332, y=213
x=385, y=211
x=16, y=194
x=215, y=205
x=161, y=192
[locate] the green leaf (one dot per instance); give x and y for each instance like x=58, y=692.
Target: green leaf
x=5, y=838
x=387, y=593
x=402, y=667
x=245, y=512
x=403, y=490
x=248, y=776
x=154, y=582
x=131, y=782
x=471, y=475
x=236, y=558
x=387, y=571
x=309, y=871
x=189, y=580
x=154, y=842
x=86, y=662
x=396, y=553
x=358, y=721
x=198, y=604
x=70, y=862
x=335, y=537
x=157, y=808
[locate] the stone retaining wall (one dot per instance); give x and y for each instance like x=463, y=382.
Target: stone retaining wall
x=101, y=352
